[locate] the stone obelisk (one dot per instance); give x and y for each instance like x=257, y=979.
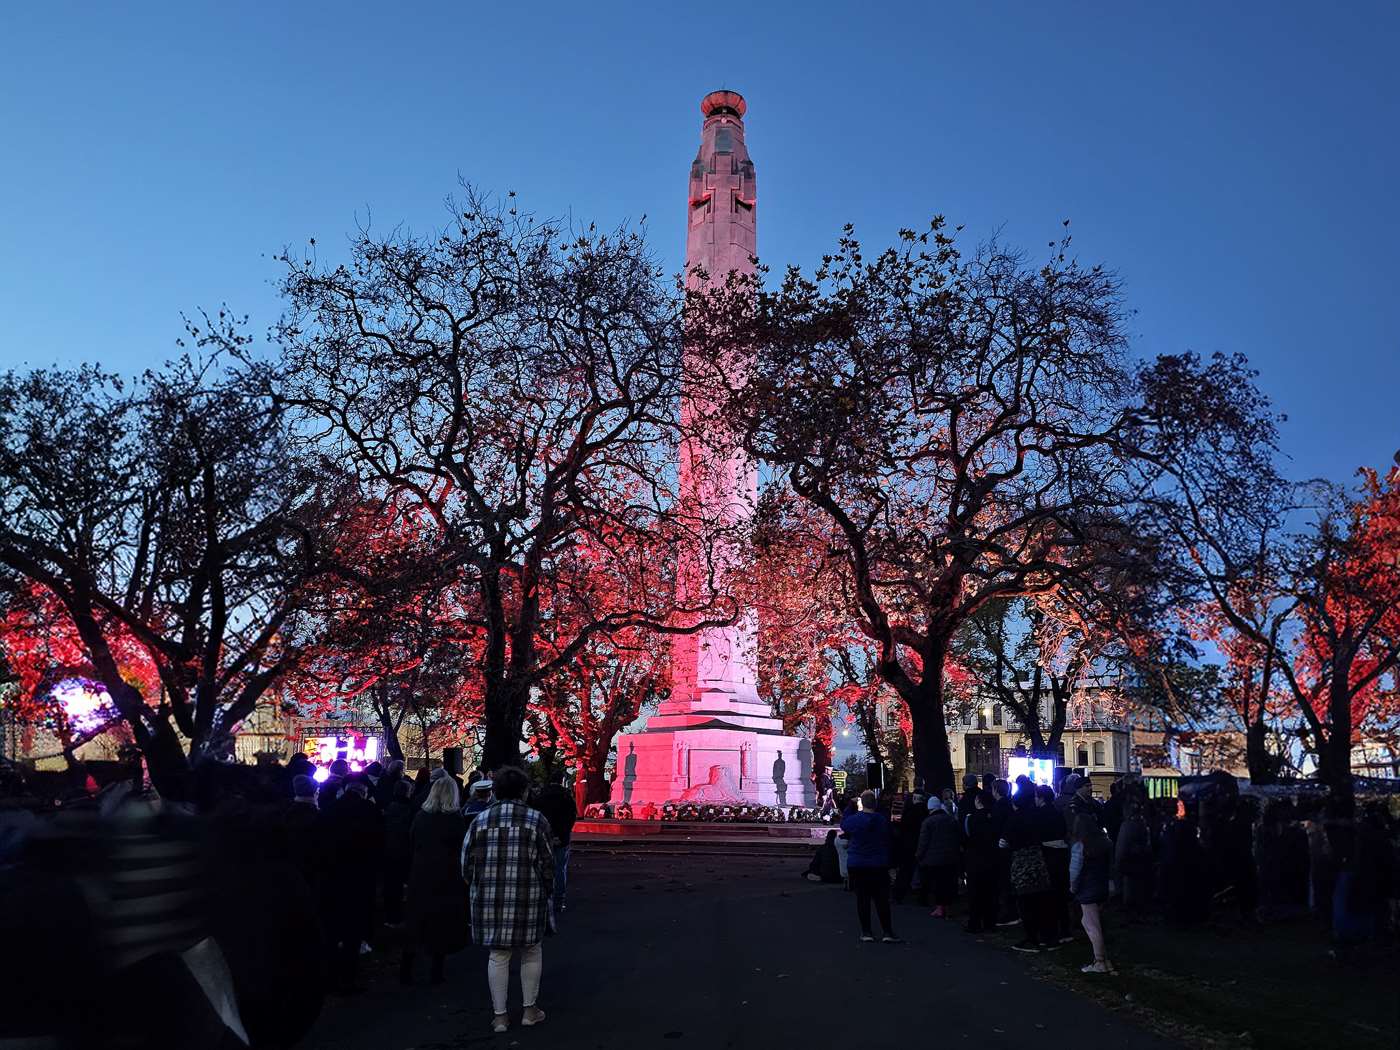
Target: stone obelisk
x=715, y=738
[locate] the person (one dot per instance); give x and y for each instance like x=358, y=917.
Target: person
x=937, y=857
x=374, y=775
x=1083, y=801
x=1089, y=865
x=479, y=800
x=302, y=828
x=508, y=865
x=980, y=863
x=825, y=865
x=1030, y=878
x=337, y=776
x=1185, y=887
x=826, y=794
x=1113, y=808
x=437, y=901
x=843, y=843
x=965, y=803
x=387, y=788
x=422, y=784
x=355, y=834
x=1001, y=816
x=868, y=865
x=906, y=844
x=1065, y=799
x=556, y=802
x=1054, y=845
x=399, y=812
x=1132, y=852
x=950, y=802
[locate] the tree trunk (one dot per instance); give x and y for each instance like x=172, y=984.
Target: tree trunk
x=504, y=719
x=822, y=733
x=1334, y=761
x=933, y=763
x=167, y=763
x=595, y=783
x=388, y=724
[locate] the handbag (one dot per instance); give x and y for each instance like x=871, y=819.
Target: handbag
x=1029, y=873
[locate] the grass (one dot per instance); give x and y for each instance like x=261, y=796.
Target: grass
x=1225, y=984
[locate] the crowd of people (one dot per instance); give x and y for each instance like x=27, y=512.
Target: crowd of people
x=1030, y=859
x=321, y=867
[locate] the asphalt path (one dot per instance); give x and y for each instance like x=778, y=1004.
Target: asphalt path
x=733, y=952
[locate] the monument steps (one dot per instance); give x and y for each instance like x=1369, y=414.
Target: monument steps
x=663, y=838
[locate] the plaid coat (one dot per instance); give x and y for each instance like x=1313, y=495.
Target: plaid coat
x=508, y=864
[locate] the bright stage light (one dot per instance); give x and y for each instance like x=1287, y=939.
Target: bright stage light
x=86, y=704
x=321, y=775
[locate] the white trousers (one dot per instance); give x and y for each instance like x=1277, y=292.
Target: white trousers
x=498, y=974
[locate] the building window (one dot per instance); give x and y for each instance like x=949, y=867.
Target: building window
x=1082, y=759
x=1098, y=753
x=996, y=715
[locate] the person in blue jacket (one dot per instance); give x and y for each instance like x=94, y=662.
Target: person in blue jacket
x=868, y=863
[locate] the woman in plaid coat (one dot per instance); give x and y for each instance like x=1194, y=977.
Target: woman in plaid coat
x=508, y=864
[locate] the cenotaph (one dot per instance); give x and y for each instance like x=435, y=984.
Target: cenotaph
x=715, y=740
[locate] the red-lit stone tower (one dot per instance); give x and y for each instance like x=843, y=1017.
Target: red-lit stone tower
x=715, y=737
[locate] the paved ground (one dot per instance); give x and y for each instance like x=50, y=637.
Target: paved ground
x=722, y=952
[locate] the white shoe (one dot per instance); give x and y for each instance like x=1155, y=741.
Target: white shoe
x=529, y=1021
x=500, y=1022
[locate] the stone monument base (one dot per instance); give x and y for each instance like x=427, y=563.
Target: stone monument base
x=711, y=759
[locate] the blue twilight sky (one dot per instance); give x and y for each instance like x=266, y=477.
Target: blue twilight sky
x=1238, y=164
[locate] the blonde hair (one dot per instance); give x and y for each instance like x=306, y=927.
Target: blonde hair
x=443, y=797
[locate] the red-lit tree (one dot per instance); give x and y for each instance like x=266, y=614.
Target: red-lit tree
x=1344, y=578
x=1251, y=687
x=961, y=426
x=518, y=383
x=400, y=637
x=41, y=647
x=604, y=684
x=170, y=513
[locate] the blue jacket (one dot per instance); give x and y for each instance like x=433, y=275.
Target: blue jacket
x=868, y=835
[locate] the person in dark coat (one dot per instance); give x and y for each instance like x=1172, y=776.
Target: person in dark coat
x=1113, y=809
x=1133, y=860
x=1185, y=886
x=302, y=828
x=826, y=862
x=387, y=788
x=1054, y=844
x=437, y=916
x=422, y=784
x=980, y=863
x=478, y=800
x=937, y=857
x=906, y=845
x=354, y=830
x=965, y=802
x=556, y=803
x=1001, y=816
x=399, y=812
x=1030, y=877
